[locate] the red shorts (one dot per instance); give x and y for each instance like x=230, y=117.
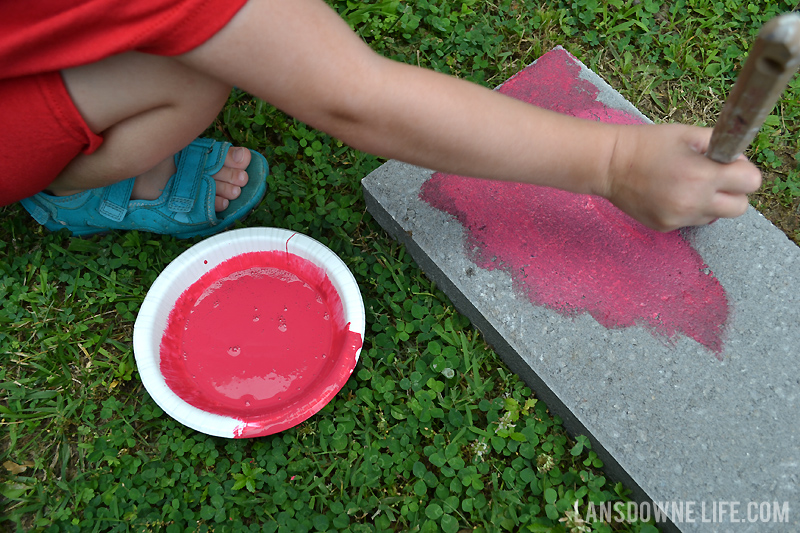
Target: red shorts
x=42, y=130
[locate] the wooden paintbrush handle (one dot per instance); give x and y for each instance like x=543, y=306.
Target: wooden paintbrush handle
x=772, y=62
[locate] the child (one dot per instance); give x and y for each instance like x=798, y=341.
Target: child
x=105, y=90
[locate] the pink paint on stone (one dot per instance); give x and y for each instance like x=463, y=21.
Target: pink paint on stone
x=578, y=253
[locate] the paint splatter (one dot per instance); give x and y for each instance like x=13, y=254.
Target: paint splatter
x=578, y=253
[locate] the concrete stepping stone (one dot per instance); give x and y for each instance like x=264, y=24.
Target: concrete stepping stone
x=677, y=354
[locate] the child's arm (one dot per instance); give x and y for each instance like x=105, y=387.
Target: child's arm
x=301, y=57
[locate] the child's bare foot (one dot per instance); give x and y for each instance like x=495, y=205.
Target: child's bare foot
x=229, y=180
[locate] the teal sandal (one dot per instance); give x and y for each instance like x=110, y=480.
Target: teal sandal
x=185, y=208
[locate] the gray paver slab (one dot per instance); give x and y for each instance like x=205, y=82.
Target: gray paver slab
x=670, y=416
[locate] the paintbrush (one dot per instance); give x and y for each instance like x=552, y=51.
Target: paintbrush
x=772, y=61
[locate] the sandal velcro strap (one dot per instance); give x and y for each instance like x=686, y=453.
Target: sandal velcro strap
x=44, y=208
x=202, y=156
x=39, y=213
x=114, y=202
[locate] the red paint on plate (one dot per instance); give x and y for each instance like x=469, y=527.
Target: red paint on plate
x=578, y=253
x=260, y=338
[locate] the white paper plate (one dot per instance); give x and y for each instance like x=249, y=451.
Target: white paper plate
x=184, y=271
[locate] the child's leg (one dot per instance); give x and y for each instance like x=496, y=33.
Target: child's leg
x=147, y=108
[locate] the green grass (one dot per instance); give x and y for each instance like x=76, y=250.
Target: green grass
x=432, y=432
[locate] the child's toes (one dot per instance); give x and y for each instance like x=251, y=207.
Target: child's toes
x=234, y=176
x=224, y=193
x=220, y=204
x=238, y=157
x=239, y=177
x=231, y=177
x=228, y=190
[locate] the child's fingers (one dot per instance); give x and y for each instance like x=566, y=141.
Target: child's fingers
x=726, y=205
x=740, y=177
x=698, y=139
x=734, y=182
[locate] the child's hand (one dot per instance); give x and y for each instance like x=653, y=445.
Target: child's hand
x=659, y=175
